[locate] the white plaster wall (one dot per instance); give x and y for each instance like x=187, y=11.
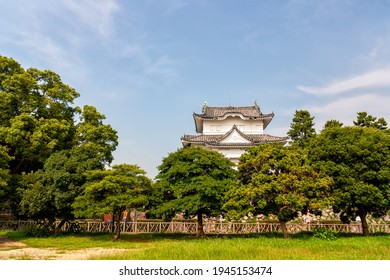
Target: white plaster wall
x=223, y=126
x=232, y=154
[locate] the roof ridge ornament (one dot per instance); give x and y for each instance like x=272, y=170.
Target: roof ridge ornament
x=204, y=106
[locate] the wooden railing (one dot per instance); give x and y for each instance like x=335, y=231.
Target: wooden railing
x=190, y=227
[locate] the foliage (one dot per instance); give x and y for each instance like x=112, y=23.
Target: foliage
x=302, y=127
x=38, y=230
x=365, y=120
x=193, y=180
x=332, y=123
x=4, y=172
x=358, y=159
x=277, y=180
x=325, y=233
x=74, y=227
x=113, y=190
x=36, y=114
x=50, y=192
x=38, y=125
x=94, y=137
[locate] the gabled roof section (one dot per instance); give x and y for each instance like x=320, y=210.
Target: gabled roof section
x=234, y=135
x=244, y=140
x=220, y=113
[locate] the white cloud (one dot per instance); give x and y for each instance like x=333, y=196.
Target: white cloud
x=46, y=47
x=97, y=15
x=377, y=78
x=345, y=109
x=163, y=66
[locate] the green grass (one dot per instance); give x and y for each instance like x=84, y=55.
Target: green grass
x=73, y=241
x=229, y=247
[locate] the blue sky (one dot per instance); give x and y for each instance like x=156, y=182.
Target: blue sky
x=148, y=65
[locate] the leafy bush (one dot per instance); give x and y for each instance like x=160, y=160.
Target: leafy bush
x=37, y=231
x=325, y=233
x=74, y=227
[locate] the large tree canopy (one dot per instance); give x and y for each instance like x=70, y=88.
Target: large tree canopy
x=36, y=115
x=38, y=122
x=50, y=192
x=358, y=159
x=277, y=180
x=194, y=180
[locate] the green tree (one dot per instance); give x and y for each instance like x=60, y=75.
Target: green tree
x=302, y=127
x=95, y=137
x=358, y=159
x=47, y=194
x=4, y=173
x=277, y=180
x=365, y=120
x=194, y=180
x=332, y=123
x=113, y=191
x=36, y=115
x=38, y=120
x=50, y=192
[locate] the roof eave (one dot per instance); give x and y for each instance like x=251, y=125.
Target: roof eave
x=198, y=123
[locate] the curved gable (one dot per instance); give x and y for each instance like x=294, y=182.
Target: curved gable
x=235, y=136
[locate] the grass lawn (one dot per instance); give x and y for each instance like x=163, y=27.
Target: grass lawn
x=220, y=247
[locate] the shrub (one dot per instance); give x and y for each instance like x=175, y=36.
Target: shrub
x=37, y=231
x=325, y=233
x=74, y=227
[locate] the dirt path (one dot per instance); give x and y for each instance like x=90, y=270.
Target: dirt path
x=12, y=250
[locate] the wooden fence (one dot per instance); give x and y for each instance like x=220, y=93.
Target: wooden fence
x=190, y=227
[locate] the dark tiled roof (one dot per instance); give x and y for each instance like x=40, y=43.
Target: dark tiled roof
x=247, y=111
x=215, y=140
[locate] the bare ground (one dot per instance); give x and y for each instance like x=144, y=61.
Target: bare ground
x=11, y=250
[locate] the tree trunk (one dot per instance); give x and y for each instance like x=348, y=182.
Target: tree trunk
x=200, y=232
x=113, y=221
x=58, y=228
x=284, y=229
x=363, y=218
x=117, y=219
